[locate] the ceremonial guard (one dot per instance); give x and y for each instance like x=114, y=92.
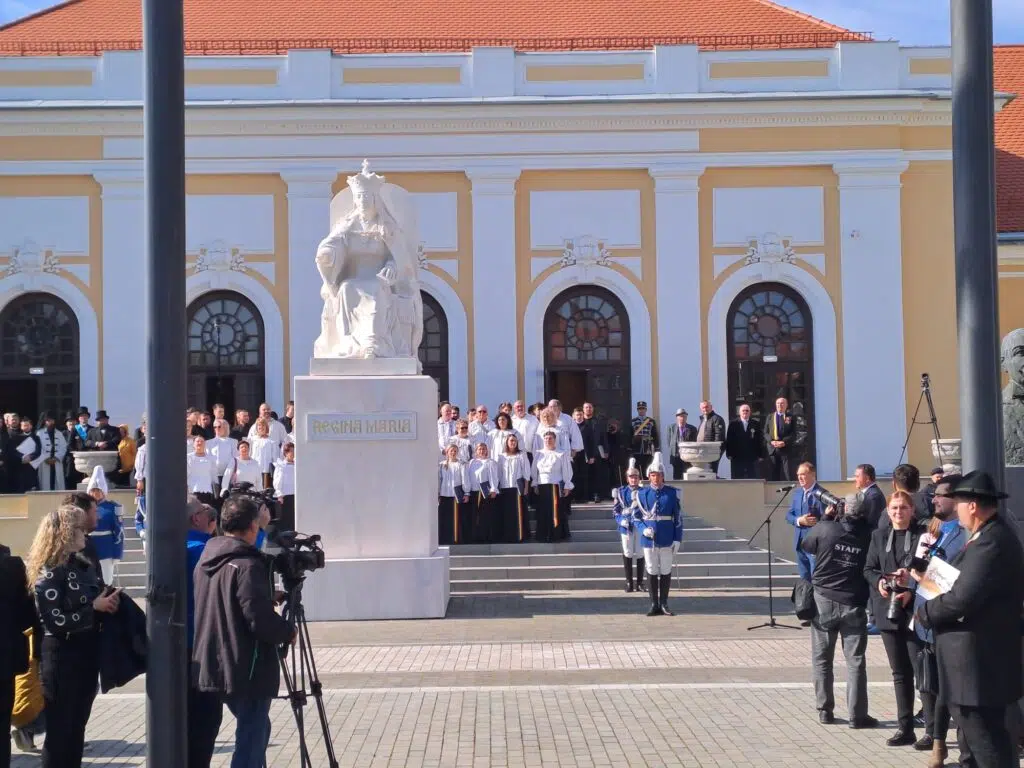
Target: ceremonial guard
x=515, y=481
x=54, y=449
x=645, y=437
x=140, y=487
x=626, y=503
x=552, y=482
x=660, y=518
x=108, y=538
x=484, y=479
x=453, y=518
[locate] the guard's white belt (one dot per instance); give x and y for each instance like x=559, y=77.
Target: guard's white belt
x=664, y=518
x=102, y=533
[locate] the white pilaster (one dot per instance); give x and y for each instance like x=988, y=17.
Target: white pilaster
x=677, y=229
x=309, y=221
x=124, y=292
x=872, y=277
x=495, y=324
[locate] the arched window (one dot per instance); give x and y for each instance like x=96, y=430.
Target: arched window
x=39, y=355
x=226, y=352
x=433, y=349
x=586, y=355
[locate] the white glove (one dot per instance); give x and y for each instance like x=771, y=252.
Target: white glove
x=675, y=547
x=649, y=533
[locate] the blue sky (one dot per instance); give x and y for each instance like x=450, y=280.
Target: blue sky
x=913, y=22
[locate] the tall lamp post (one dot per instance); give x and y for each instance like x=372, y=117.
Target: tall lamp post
x=164, y=117
x=977, y=308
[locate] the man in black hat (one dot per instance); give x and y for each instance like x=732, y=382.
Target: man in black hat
x=645, y=440
x=977, y=626
x=103, y=437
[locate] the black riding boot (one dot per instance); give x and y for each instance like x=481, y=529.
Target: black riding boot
x=665, y=582
x=627, y=565
x=640, y=575
x=653, y=588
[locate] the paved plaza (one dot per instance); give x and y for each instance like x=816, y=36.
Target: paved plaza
x=576, y=680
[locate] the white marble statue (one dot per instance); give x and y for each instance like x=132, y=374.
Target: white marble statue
x=369, y=265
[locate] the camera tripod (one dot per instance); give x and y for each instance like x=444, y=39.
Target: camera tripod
x=771, y=623
x=926, y=397
x=297, y=665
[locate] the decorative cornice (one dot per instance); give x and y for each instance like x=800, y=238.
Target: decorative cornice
x=120, y=183
x=677, y=177
x=493, y=179
x=871, y=173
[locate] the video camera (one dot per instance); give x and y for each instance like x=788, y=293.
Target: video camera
x=299, y=555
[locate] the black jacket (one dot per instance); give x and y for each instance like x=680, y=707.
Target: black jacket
x=977, y=623
x=107, y=434
x=595, y=437
x=17, y=613
x=744, y=444
x=237, y=628
x=714, y=432
x=840, y=549
x=65, y=594
x=787, y=433
x=123, y=645
x=874, y=508
x=880, y=562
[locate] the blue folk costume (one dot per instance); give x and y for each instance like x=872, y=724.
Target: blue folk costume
x=108, y=538
x=625, y=504
x=660, y=519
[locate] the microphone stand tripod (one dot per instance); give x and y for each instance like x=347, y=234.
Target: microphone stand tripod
x=771, y=623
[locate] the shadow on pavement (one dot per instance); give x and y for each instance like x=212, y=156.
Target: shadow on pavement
x=510, y=606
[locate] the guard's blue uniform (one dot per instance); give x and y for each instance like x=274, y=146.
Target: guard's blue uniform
x=622, y=511
x=109, y=534
x=661, y=513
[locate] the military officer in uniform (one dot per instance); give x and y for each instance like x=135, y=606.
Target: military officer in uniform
x=660, y=519
x=645, y=437
x=625, y=504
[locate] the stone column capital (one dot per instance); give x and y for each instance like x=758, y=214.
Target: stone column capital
x=493, y=179
x=309, y=182
x=677, y=177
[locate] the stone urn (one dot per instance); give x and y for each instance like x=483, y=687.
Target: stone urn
x=86, y=461
x=947, y=453
x=700, y=455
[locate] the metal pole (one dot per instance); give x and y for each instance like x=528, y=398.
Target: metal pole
x=164, y=115
x=981, y=419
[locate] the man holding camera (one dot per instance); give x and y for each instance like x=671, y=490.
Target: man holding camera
x=977, y=626
x=237, y=630
x=839, y=545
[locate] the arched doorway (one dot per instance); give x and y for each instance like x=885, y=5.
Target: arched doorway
x=225, y=352
x=770, y=356
x=434, y=344
x=39, y=356
x=586, y=351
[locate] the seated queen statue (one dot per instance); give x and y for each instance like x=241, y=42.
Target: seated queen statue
x=369, y=265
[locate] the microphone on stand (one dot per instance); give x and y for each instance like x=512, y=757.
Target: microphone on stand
x=785, y=489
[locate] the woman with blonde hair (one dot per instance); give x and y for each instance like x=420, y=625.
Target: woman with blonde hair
x=68, y=595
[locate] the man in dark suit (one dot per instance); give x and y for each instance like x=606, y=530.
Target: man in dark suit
x=595, y=449
x=743, y=445
x=873, y=508
x=779, y=435
x=680, y=432
x=977, y=626
x=711, y=429
x=19, y=613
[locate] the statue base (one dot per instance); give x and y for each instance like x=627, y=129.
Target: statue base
x=357, y=366
x=695, y=473
x=366, y=482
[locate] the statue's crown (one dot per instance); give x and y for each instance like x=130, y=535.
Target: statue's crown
x=365, y=181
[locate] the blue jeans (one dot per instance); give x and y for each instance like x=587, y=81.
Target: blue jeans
x=252, y=730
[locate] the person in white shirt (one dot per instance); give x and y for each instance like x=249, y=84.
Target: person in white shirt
x=513, y=489
x=245, y=469
x=284, y=488
x=265, y=451
x=140, y=466
x=202, y=471
x=223, y=449
x=549, y=423
x=445, y=427
x=461, y=441
x=500, y=433
x=552, y=482
x=526, y=424
x=570, y=426
x=483, y=477
x=453, y=517
x=276, y=431
x=480, y=426
x=189, y=437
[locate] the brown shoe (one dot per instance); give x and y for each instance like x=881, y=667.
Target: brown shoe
x=939, y=754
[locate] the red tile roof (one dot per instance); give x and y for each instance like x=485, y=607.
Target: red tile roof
x=1009, y=77
x=272, y=26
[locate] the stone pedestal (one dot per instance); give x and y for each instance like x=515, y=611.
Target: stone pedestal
x=1014, y=477
x=700, y=456
x=366, y=481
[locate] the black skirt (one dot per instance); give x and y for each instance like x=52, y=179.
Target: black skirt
x=552, y=523
x=486, y=518
x=514, y=522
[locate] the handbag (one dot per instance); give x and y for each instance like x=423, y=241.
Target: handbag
x=926, y=670
x=28, y=690
x=803, y=600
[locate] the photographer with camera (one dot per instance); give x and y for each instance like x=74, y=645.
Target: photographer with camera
x=839, y=544
x=892, y=551
x=237, y=629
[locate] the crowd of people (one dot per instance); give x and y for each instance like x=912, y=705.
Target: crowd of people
x=939, y=574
